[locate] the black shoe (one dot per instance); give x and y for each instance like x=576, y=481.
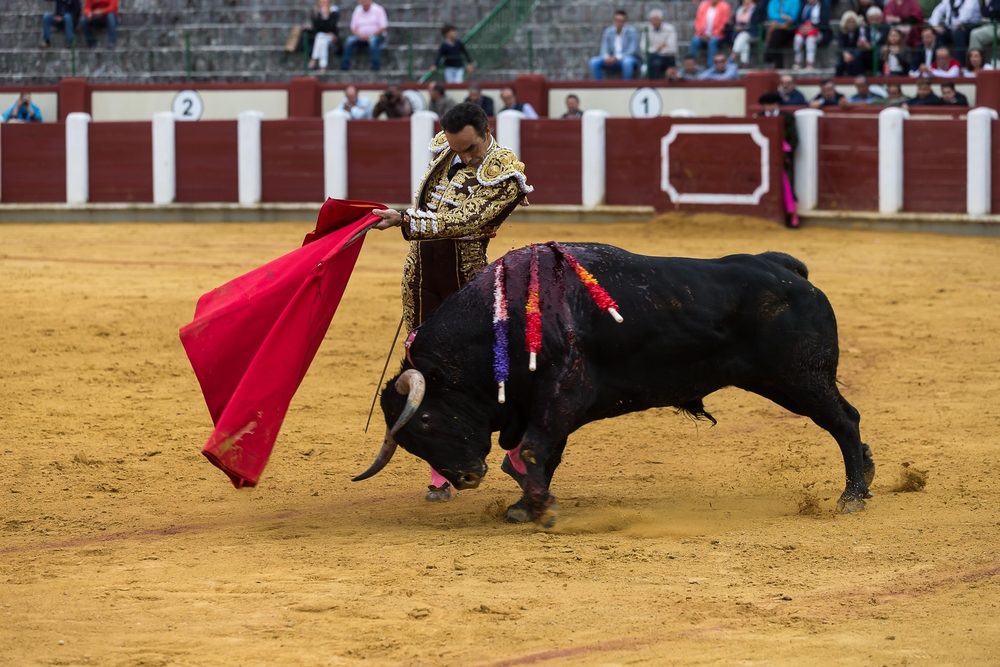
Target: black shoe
x=44, y=44
x=509, y=468
x=438, y=494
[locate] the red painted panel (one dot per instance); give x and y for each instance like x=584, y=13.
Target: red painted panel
x=33, y=165
x=848, y=163
x=207, y=167
x=292, y=160
x=551, y=152
x=121, y=162
x=934, y=165
x=995, y=170
x=633, y=165
x=378, y=152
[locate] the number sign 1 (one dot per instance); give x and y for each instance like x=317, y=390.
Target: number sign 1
x=187, y=105
x=645, y=103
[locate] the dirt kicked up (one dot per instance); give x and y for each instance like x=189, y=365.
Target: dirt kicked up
x=677, y=543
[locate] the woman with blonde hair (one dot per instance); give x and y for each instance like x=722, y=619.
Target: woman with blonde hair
x=850, y=33
x=324, y=31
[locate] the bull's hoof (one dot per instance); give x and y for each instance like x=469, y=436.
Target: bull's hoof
x=850, y=504
x=438, y=494
x=517, y=513
x=868, y=466
x=547, y=517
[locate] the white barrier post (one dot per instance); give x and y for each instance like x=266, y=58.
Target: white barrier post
x=77, y=158
x=421, y=134
x=164, y=158
x=249, y=160
x=807, y=158
x=509, y=130
x=979, y=147
x=594, y=157
x=335, y=153
x=682, y=113
x=890, y=160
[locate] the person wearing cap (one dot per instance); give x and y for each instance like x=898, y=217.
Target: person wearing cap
x=771, y=103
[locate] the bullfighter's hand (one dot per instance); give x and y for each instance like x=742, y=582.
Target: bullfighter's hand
x=389, y=217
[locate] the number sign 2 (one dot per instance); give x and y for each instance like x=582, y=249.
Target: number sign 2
x=187, y=105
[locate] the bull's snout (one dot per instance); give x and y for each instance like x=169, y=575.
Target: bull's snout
x=470, y=480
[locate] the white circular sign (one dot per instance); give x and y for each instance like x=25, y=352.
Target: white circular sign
x=645, y=103
x=416, y=100
x=187, y=105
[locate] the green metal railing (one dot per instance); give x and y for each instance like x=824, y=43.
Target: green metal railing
x=187, y=56
x=486, y=40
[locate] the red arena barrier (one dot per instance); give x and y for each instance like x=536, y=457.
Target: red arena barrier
x=292, y=160
x=934, y=161
x=121, y=162
x=551, y=151
x=33, y=167
x=848, y=163
x=207, y=168
x=379, y=160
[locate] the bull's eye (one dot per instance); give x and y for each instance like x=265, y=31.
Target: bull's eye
x=425, y=418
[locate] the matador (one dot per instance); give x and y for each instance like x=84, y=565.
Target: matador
x=469, y=189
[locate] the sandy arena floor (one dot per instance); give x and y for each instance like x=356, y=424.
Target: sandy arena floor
x=678, y=544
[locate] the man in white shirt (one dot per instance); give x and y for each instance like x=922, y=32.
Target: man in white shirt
x=369, y=24
x=662, y=45
x=358, y=107
x=509, y=98
x=952, y=20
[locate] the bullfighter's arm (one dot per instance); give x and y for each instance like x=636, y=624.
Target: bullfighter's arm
x=469, y=218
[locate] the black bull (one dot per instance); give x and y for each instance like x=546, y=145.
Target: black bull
x=691, y=327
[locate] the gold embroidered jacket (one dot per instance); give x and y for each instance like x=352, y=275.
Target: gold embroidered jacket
x=451, y=222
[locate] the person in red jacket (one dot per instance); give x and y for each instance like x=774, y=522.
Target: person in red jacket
x=100, y=13
x=710, y=26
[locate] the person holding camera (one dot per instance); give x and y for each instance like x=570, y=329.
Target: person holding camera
x=392, y=104
x=23, y=111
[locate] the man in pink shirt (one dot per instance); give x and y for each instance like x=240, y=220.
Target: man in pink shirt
x=368, y=26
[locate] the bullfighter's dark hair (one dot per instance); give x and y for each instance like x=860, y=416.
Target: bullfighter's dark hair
x=465, y=114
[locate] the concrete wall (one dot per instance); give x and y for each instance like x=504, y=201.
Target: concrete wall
x=708, y=101
x=219, y=104
x=47, y=103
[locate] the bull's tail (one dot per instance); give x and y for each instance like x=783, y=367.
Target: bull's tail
x=786, y=261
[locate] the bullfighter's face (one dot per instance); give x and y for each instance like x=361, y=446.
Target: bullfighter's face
x=449, y=431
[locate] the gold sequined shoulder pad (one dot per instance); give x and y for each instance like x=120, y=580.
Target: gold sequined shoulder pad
x=500, y=165
x=438, y=143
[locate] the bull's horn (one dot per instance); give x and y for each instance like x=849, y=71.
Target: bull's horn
x=384, y=455
x=411, y=383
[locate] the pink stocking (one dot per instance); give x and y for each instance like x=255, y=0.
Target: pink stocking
x=789, y=197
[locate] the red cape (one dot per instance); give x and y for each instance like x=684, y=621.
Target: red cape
x=252, y=340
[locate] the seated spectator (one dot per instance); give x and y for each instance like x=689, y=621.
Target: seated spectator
x=100, y=13
x=66, y=13
x=484, y=102
x=509, y=97
x=895, y=56
x=781, y=17
x=975, y=62
x=710, y=27
x=874, y=35
x=368, y=27
x=982, y=37
x=393, y=104
x=722, y=69
x=905, y=16
x=828, y=96
x=453, y=56
x=572, y=108
x=850, y=34
x=813, y=28
x=923, y=55
x=619, y=49
x=861, y=7
x=951, y=96
x=358, y=107
x=743, y=31
x=864, y=95
x=925, y=96
x=944, y=66
x=895, y=97
x=673, y=74
x=788, y=93
x=324, y=33
x=662, y=45
x=690, y=69
x=440, y=102
x=23, y=111
x=952, y=20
